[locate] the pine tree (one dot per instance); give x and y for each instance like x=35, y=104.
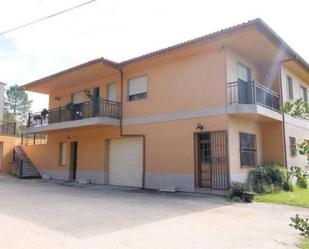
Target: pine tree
x=16, y=105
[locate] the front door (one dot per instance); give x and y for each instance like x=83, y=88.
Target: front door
x=73, y=160
x=212, y=168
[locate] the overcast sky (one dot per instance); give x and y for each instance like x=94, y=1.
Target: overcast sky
x=121, y=29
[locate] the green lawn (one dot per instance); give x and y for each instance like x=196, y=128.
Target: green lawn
x=299, y=197
x=304, y=244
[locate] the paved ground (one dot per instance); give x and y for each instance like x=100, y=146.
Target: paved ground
x=37, y=214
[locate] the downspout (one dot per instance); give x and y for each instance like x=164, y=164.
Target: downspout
x=130, y=135
x=283, y=115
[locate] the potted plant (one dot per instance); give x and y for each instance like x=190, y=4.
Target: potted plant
x=44, y=113
x=69, y=106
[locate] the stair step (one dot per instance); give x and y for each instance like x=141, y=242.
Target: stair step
x=28, y=170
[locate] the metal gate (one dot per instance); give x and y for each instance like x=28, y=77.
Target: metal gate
x=212, y=169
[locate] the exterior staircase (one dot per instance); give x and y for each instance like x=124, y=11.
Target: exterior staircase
x=22, y=165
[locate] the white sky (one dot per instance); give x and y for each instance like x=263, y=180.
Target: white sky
x=121, y=29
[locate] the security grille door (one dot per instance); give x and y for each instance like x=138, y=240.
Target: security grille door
x=213, y=166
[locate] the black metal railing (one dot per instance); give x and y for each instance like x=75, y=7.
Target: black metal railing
x=18, y=163
x=8, y=128
x=242, y=92
x=95, y=108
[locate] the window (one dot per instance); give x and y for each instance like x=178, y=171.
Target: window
x=112, y=92
x=290, y=87
x=63, y=154
x=248, y=151
x=137, y=88
x=244, y=73
x=304, y=93
x=78, y=98
x=293, y=150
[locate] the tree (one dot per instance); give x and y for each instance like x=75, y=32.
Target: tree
x=16, y=105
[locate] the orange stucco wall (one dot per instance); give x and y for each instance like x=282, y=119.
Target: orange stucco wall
x=91, y=148
x=7, y=152
x=181, y=85
x=65, y=94
x=178, y=83
x=236, y=125
x=272, y=142
x=170, y=145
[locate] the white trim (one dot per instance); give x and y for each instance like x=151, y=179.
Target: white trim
x=212, y=111
x=252, y=108
x=207, y=112
x=298, y=122
x=74, y=124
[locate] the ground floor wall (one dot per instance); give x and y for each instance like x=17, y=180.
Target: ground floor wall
x=301, y=134
x=92, y=154
x=169, y=159
x=169, y=153
x=169, y=150
x=237, y=125
x=7, y=144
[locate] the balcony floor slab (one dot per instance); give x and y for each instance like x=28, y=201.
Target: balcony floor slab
x=73, y=124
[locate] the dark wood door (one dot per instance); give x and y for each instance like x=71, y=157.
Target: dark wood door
x=205, y=160
x=73, y=164
x=212, y=160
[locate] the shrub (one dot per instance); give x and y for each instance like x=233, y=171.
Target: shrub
x=301, y=224
x=268, y=178
x=301, y=176
x=302, y=182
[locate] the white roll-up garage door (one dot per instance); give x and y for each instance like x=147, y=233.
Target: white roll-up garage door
x=126, y=162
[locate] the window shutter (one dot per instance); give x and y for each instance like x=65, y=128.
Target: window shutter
x=138, y=85
x=112, y=92
x=78, y=98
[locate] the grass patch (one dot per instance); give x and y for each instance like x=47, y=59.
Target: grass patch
x=299, y=197
x=304, y=244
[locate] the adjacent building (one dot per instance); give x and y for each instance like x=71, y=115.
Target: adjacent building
x=196, y=115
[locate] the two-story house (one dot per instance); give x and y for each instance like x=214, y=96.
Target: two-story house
x=199, y=114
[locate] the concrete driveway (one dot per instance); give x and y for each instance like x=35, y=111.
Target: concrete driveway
x=38, y=214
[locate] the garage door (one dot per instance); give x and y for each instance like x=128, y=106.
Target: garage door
x=126, y=162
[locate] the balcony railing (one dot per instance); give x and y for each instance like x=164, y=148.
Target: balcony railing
x=8, y=128
x=252, y=92
x=95, y=108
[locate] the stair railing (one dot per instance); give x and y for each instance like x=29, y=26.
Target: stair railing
x=18, y=162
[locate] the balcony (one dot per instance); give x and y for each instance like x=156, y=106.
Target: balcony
x=94, y=112
x=253, y=97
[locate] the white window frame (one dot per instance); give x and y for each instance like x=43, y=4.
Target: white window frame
x=304, y=93
x=63, y=153
x=107, y=91
x=289, y=80
x=139, y=95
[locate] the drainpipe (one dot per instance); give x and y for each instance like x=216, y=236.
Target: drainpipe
x=283, y=115
x=131, y=135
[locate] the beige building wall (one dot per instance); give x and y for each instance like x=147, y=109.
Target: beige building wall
x=237, y=125
x=2, y=90
x=294, y=127
x=301, y=134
